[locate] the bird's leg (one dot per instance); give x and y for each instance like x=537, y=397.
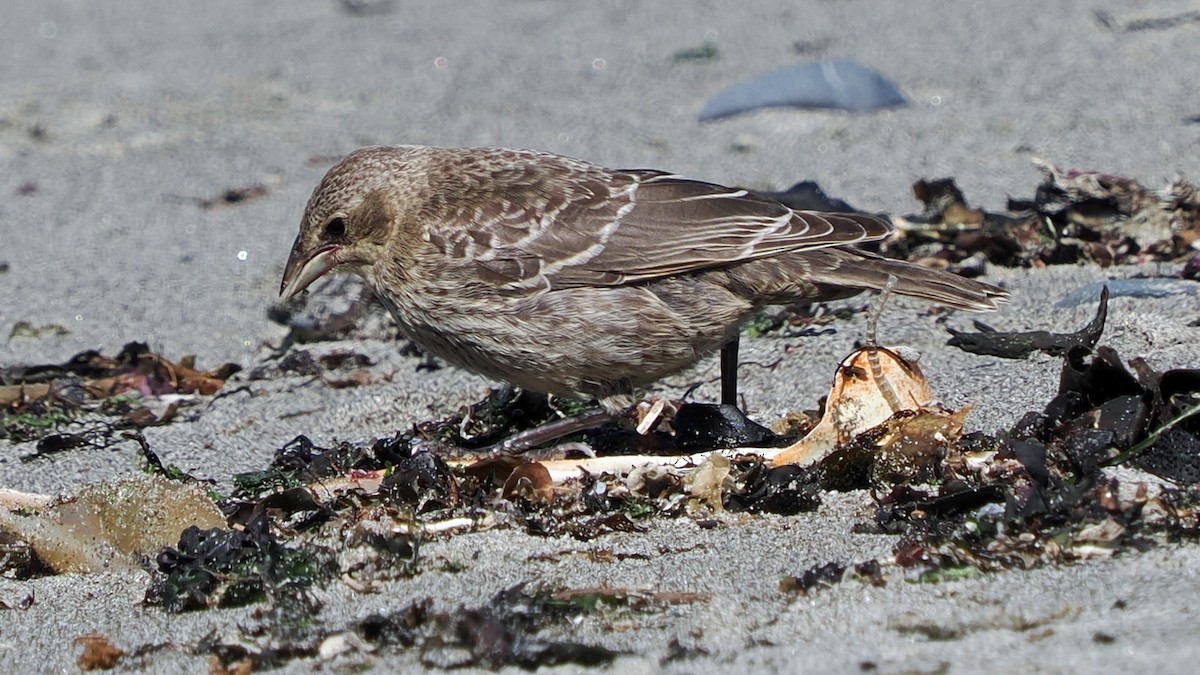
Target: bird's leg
x=552, y=431
x=729, y=373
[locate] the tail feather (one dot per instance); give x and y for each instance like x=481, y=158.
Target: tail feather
x=867, y=271
x=832, y=273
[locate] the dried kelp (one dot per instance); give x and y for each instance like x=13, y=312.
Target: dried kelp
x=1039, y=494
x=1020, y=345
x=53, y=403
x=1073, y=217
x=503, y=631
x=230, y=568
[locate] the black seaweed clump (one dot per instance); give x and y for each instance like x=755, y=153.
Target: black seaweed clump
x=232, y=568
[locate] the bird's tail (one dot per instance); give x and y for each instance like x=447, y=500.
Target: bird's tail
x=831, y=273
x=867, y=271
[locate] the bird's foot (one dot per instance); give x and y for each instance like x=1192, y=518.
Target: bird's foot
x=552, y=431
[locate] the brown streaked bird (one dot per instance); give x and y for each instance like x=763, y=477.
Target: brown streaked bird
x=563, y=277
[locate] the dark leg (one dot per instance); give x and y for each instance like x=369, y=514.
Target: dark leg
x=729, y=373
x=552, y=431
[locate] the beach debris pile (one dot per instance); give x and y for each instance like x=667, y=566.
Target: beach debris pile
x=1073, y=217
x=90, y=399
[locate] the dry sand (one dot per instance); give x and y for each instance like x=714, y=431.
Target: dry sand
x=115, y=118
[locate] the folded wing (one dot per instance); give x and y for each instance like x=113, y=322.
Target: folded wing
x=556, y=223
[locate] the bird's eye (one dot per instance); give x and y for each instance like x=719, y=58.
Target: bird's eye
x=336, y=228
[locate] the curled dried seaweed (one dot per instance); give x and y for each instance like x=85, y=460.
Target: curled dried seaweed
x=1019, y=345
x=231, y=568
x=786, y=490
x=46, y=402
x=1073, y=217
x=1039, y=495
x=705, y=426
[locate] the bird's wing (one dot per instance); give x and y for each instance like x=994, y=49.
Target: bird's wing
x=661, y=225
x=580, y=225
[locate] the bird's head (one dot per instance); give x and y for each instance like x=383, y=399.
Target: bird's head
x=350, y=219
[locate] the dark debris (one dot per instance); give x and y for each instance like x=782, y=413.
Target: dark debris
x=785, y=490
x=231, y=568
x=503, y=631
x=704, y=426
x=1020, y=345
x=1044, y=497
x=1073, y=217
x=89, y=399
x=235, y=195
x=808, y=196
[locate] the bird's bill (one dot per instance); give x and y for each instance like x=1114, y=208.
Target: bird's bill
x=305, y=267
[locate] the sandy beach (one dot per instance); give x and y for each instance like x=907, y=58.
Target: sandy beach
x=123, y=127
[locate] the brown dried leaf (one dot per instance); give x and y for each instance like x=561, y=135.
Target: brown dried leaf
x=530, y=481
x=98, y=653
x=243, y=667
x=141, y=417
x=359, y=378
x=20, y=394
